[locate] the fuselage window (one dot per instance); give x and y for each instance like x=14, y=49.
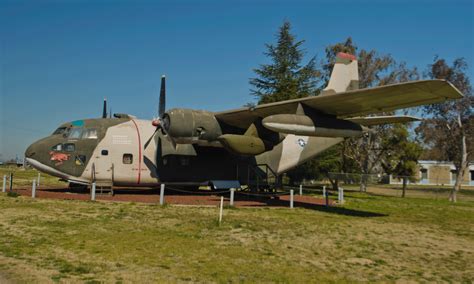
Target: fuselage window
x=75, y=133
x=57, y=147
x=90, y=133
x=127, y=158
x=105, y=152
x=60, y=130
x=69, y=147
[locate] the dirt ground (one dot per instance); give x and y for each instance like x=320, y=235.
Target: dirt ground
x=180, y=197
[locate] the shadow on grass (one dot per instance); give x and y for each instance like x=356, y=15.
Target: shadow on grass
x=242, y=200
x=348, y=212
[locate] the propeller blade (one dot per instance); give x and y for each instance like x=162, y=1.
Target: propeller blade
x=162, y=103
x=104, y=110
x=150, y=139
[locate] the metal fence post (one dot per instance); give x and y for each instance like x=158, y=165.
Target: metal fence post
x=342, y=195
x=232, y=191
x=301, y=189
x=292, y=193
x=33, y=189
x=327, y=198
x=93, y=192
x=11, y=181
x=4, y=187
x=162, y=194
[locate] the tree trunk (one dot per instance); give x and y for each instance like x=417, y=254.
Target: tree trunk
x=404, y=188
x=461, y=169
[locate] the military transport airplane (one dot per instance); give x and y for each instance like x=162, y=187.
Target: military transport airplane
x=195, y=147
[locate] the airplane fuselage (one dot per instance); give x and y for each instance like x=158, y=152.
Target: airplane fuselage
x=127, y=151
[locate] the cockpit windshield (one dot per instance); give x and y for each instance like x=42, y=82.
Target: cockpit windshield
x=89, y=133
x=60, y=130
x=75, y=133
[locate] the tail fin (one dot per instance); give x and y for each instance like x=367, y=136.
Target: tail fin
x=344, y=76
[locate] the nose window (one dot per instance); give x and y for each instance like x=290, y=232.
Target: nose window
x=57, y=147
x=69, y=147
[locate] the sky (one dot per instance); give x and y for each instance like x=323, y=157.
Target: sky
x=59, y=59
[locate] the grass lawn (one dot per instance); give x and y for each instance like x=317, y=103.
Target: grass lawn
x=370, y=238
x=25, y=177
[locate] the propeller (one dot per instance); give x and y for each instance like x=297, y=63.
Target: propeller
x=162, y=103
x=104, y=110
x=161, y=111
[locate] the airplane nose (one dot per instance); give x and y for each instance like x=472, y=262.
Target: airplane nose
x=30, y=151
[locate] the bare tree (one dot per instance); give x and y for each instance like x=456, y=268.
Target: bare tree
x=448, y=127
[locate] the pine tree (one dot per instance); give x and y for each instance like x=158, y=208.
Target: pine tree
x=285, y=77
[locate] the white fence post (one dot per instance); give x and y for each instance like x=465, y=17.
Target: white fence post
x=340, y=195
x=162, y=194
x=301, y=189
x=33, y=189
x=324, y=191
x=4, y=187
x=39, y=178
x=292, y=193
x=232, y=191
x=93, y=192
x=221, y=209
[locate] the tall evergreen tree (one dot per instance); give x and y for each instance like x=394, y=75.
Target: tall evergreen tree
x=285, y=77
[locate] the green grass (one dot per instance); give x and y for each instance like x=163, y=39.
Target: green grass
x=24, y=177
x=371, y=238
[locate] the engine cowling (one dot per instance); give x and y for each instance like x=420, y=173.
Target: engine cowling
x=191, y=126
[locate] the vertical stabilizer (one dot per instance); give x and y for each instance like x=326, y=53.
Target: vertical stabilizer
x=344, y=75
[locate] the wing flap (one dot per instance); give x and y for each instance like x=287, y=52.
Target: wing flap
x=377, y=120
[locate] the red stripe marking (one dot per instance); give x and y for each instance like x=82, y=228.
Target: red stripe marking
x=139, y=152
x=346, y=56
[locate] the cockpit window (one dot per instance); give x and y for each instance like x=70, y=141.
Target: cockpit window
x=75, y=133
x=69, y=147
x=57, y=147
x=89, y=133
x=60, y=130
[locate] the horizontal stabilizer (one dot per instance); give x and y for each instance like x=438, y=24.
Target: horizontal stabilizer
x=377, y=120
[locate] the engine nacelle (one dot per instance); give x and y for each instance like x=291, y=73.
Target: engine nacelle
x=187, y=126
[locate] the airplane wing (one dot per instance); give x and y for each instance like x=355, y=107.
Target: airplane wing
x=377, y=120
x=351, y=103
